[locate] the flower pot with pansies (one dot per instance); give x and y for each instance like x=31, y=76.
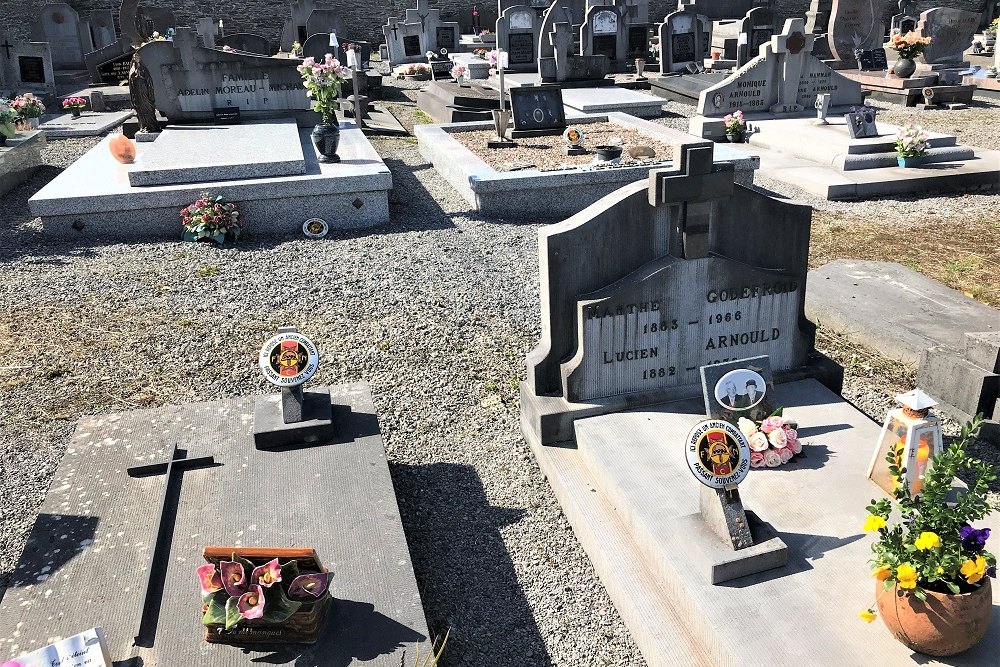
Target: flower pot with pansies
x=931, y=567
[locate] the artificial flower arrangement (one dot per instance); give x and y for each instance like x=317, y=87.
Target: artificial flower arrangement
x=909, y=45
x=493, y=57
x=773, y=441
x=991, y=29
x=934, y=547
x=228, y=49
x=458, y=71
x=912, y=141
x=480, y=53
x=416, y=69
x=28, y=106
x=240, y=592
x=323, y=80
x=485, y=31
x=211, y=217
x=296, y=49
x=74, y=103
x=734, y=123
x=7, y=119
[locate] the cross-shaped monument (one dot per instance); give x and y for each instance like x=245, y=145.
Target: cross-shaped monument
x=6, y=46
x=561, y=40
x=794, y=45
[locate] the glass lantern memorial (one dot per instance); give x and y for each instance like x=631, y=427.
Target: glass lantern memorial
x=913, y=435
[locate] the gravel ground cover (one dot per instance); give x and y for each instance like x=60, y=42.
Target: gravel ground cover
x=547, y=152
x=436, y=310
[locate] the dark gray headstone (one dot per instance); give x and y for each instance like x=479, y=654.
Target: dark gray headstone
x=537, y=109
x=951, y=32
x=247, y=42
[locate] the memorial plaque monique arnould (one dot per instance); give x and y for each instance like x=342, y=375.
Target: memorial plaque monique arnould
x=697, y=282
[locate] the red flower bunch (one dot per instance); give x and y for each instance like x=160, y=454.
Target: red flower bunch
x=211, y=217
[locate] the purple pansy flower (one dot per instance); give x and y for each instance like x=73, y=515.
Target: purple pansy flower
x=973, y=540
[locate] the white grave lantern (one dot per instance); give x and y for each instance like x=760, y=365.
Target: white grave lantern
x=914, y=437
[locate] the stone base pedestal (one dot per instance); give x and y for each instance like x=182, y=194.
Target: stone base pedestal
x=718, y=562
x=271, y=432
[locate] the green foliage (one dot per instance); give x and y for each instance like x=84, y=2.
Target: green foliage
x=928, y=538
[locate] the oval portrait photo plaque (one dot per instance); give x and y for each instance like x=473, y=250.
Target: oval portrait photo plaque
x=740, y=389
x=718, y=454
x=288, y=359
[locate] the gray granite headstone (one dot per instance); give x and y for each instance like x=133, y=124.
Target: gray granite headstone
x=856, y=24
x=677, y=287
x=325, y=21
x=191, y=80
x=605, y=32
x=785, y=77
x=951, y=32
x=246, y=42
x=59, y=25
x=517, y=32
x=685, y=39
x=25, y=67
x=139, y=21
x=756, y=30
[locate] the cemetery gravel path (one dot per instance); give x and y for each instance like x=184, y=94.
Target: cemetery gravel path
x=436, y=310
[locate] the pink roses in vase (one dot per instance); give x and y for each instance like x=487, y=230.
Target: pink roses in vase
x=773, y=442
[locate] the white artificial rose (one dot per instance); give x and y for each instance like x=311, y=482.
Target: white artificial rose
x=772, y=459
x=778, y=438
x=747, y=426
x=758, y=442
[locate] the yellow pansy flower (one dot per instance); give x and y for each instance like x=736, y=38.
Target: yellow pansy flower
x=867, y=615
x=975, y=570
x=882, y=573
x=906, y=575
x=873, y=523
x=927, y=541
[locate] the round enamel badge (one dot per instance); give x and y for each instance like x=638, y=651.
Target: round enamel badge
x=288, y=359
x=718, y=454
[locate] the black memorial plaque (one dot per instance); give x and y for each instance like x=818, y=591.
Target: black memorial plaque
x=638, y=41
x=521, y=48
x=871, y=59
x=226, y=115
x=116, y=69
x=879, y=59
x=31, y=68
x=907, y=25
x=411, y=46
x=605, y=45
x=537, y=109
x=706, y=45
x=759, y=36
x=445, y=37
x=682, y=47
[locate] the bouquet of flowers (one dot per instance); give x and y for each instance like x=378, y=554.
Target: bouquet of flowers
x=458, y=71
x=909, y=45
x=237, y=590
x=7, y=119
x=493, y=57
x=991, y=29
x=323, y=80
x=296, y=49
x=211, y=217
x=912, y=141
x=485, y=31
x=735, y=123
x=934, y=547
x=480, y=53
x=654, y=51
x=28, y=106
x=773, y=441
x=416, y=69
x=74, y=103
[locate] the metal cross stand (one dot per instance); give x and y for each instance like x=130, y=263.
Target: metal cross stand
x=177, y=463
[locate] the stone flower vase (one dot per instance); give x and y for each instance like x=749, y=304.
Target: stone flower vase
x=736, y=137
x=33, y=122
x=904, y=67
x=326, y=138
x=945, y=624
x=909, y=162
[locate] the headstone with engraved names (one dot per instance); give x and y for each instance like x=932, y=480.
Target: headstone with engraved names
x=951, y=32
x=685, y=39
x=517, y=32
x=25, y=67
x=855, y=24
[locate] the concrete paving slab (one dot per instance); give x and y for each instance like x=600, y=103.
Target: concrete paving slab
x=630, y=468
x=203, y=153
x=89, y=124
x=603, y=100
x=893, y=309
x=84, y=561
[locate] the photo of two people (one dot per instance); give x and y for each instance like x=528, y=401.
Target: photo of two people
x=740, y=390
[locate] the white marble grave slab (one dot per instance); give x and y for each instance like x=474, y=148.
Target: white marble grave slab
x=202, y=153
x=89, y=124
x=612, y=98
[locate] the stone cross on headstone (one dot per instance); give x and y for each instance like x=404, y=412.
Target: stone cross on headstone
x=561, y=39
x=6, y=46
x=395, y=29
x=793, y=46
x=155, y=571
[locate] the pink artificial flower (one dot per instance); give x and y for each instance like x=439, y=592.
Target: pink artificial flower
x=266, y=575
x=772, y=423
x=785, y=454
x=795, y=446
x=772, y=459
x=777, y=438
x=251, y=603
x=791, y=434
x=756, y=460
x=234, y=579
x=211, y=580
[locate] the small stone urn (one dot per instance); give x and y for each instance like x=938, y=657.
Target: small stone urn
x=640, y=68
x=326, y=138
x=904, y=67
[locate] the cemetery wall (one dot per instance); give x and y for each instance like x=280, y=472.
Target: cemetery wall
x=267, y=16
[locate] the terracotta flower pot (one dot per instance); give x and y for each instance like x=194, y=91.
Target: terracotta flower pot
x=944, y=625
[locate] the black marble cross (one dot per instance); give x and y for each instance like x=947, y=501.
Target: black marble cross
x=6, y=46
x=177, y=463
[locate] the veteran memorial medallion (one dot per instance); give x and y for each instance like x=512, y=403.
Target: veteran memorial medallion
x=288, y=359
x=718, y=454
